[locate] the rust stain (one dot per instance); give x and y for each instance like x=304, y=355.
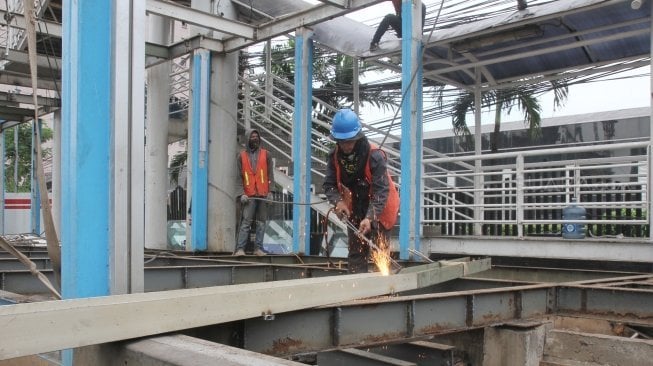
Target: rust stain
x=436, y=328
x=284, y=346
x=610, y=314
x=491, y=318
x=381, y=338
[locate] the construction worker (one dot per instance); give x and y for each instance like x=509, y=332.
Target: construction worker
x=257, y=175
x=394, y=21
x=357, y=183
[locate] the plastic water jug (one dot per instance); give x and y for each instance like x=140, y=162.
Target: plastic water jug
x=573, y=230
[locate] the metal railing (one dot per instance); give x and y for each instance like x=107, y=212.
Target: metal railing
x=523, y=193
x=517, y=193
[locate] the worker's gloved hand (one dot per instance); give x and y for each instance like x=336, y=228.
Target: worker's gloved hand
x=365, y=226
x=342, y=210
x=244, y=199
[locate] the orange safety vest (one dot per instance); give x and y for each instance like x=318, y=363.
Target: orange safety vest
x=388, y=217
x=255, y=183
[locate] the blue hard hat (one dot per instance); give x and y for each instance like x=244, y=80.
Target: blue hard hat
x=346, y=125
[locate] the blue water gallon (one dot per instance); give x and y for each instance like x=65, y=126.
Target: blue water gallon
x=573, y=230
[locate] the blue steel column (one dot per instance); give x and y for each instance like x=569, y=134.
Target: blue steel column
x=2, y=180
x=301, y=141
x=86, y=148
x=35, y=192
x=201, y=74
x=411, y=130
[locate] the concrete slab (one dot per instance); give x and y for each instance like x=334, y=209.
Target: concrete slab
x=181, y=350
x=597, y=348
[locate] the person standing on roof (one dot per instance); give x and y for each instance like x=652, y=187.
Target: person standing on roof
x=394, y=21
x=358, y=184
x=257, y=174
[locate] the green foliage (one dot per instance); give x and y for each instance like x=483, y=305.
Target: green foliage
x=524, y=98
x=22, y=155
x=333, y=78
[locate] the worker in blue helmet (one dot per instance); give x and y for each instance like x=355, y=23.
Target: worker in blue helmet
x=358, y=185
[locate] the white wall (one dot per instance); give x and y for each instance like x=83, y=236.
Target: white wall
x=17, y=213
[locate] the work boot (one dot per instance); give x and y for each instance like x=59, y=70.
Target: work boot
x=259, y=252
x=374, y=46
x=239, y=253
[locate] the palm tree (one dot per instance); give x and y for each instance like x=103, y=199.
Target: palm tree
x=333, y=77
x=525, y=98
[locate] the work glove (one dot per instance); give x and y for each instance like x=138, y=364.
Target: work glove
x=342, y=210
x=244, y=199
x=365, y=226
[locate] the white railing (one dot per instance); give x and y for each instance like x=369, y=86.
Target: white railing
x=519, y=193
x=524, y=192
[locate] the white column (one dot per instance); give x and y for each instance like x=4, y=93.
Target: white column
x=127, y=148
x=56, y=170
x=156, y=140
x=478, y=138
x=650, y=151
x=223, y=148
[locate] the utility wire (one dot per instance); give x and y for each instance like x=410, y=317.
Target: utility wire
x=414, y=75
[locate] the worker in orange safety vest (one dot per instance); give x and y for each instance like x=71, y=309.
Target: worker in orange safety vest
x=257, y=174
x=358, y=184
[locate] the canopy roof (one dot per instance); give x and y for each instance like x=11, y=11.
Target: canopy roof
x=553, y=40
x=548, y=40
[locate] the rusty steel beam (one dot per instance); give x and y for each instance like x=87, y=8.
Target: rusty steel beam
x=367, y=323
x=83, y=322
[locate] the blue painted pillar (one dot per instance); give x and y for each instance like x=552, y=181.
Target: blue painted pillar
x=86, y=147
x=411, y=129
x=35, y=207
x=301, y=141
x=199, y=125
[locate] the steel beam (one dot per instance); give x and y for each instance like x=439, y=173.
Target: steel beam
x=357, y=324
x=286, y=24
x=10, y=264
x=20, y=280
x=36, y=253
x=353, y=356
x=201, y=19
x=42, y=26
x=419, y=352
x=7, y=97
x=158, y=53
x=21, y=79
x=377, y=321
x=342, y=4
x=88, y=321
x=44, y=63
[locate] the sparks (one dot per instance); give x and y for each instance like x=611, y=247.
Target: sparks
x=381, y=257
